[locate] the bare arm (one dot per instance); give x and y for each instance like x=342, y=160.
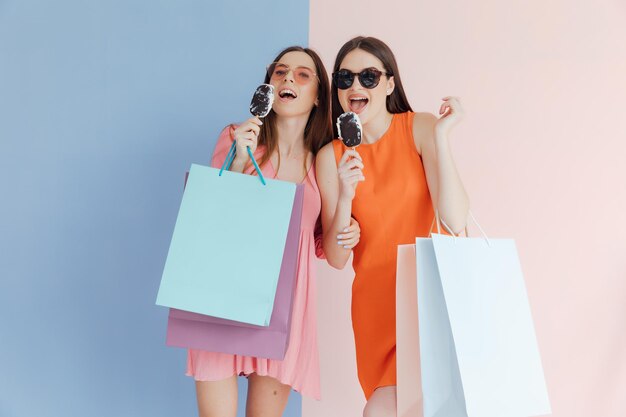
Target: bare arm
x=445, y=185
x=246, y=136
x=337, y=187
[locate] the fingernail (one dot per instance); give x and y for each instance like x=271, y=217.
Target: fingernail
x=345, y=247
x=339, y=243
x=345, y=230
x=339, y=236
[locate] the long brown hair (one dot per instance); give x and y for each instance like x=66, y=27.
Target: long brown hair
x=396, y=101
x=318, y=131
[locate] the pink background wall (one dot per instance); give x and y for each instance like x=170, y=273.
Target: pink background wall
x=542, y=152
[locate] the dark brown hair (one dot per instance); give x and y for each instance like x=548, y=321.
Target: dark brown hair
x=318, y=131
x=396, y=101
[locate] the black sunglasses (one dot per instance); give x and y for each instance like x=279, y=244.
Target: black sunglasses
x=369, y=78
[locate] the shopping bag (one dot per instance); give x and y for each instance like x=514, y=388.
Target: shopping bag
x=479, y=354
x=227, y=247
x=197, y=331
x=409, y=387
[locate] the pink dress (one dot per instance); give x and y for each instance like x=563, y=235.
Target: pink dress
x=300, y=367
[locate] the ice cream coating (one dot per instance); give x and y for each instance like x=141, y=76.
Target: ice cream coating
x=262, y=100
x=349, y=129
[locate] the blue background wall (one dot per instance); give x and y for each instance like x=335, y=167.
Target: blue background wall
x=103, y=106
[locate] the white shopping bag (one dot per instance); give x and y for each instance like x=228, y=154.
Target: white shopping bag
x=479, y=353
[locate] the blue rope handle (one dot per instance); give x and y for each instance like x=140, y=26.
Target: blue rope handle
x=230, y=157
x=258, y=170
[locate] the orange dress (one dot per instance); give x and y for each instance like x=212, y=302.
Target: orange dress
x=393, y=206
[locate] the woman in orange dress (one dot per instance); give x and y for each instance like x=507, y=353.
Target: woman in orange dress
x=404, y=169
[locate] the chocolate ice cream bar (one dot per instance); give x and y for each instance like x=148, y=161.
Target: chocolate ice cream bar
x=262, y=100
x=349, y=129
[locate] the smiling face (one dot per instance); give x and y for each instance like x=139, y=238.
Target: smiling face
x=367, y=103
x=295, y=84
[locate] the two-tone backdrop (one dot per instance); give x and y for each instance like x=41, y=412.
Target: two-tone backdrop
x=103, y=106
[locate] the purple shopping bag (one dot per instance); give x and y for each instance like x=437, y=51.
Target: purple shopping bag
x=197, y=331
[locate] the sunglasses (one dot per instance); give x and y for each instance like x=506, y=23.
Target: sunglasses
x=369, y=78
x=277, y=71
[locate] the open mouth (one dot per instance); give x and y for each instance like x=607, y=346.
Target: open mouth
x=358, y=103
x=287, y=95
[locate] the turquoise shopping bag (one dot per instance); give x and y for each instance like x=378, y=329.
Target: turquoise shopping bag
x=227, y=247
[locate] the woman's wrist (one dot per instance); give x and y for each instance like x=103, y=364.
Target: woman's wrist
x=344, y=203
x=343, y=213
x=238, y=164
x=440, y=135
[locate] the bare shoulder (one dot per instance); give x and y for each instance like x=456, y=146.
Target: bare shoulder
x=326, y=170
x=326, y=157
x=423, y=129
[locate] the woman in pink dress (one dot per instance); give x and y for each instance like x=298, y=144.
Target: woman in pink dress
x=285, y=145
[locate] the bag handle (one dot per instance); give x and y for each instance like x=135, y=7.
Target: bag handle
x=439, y=220
x=230, y=157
